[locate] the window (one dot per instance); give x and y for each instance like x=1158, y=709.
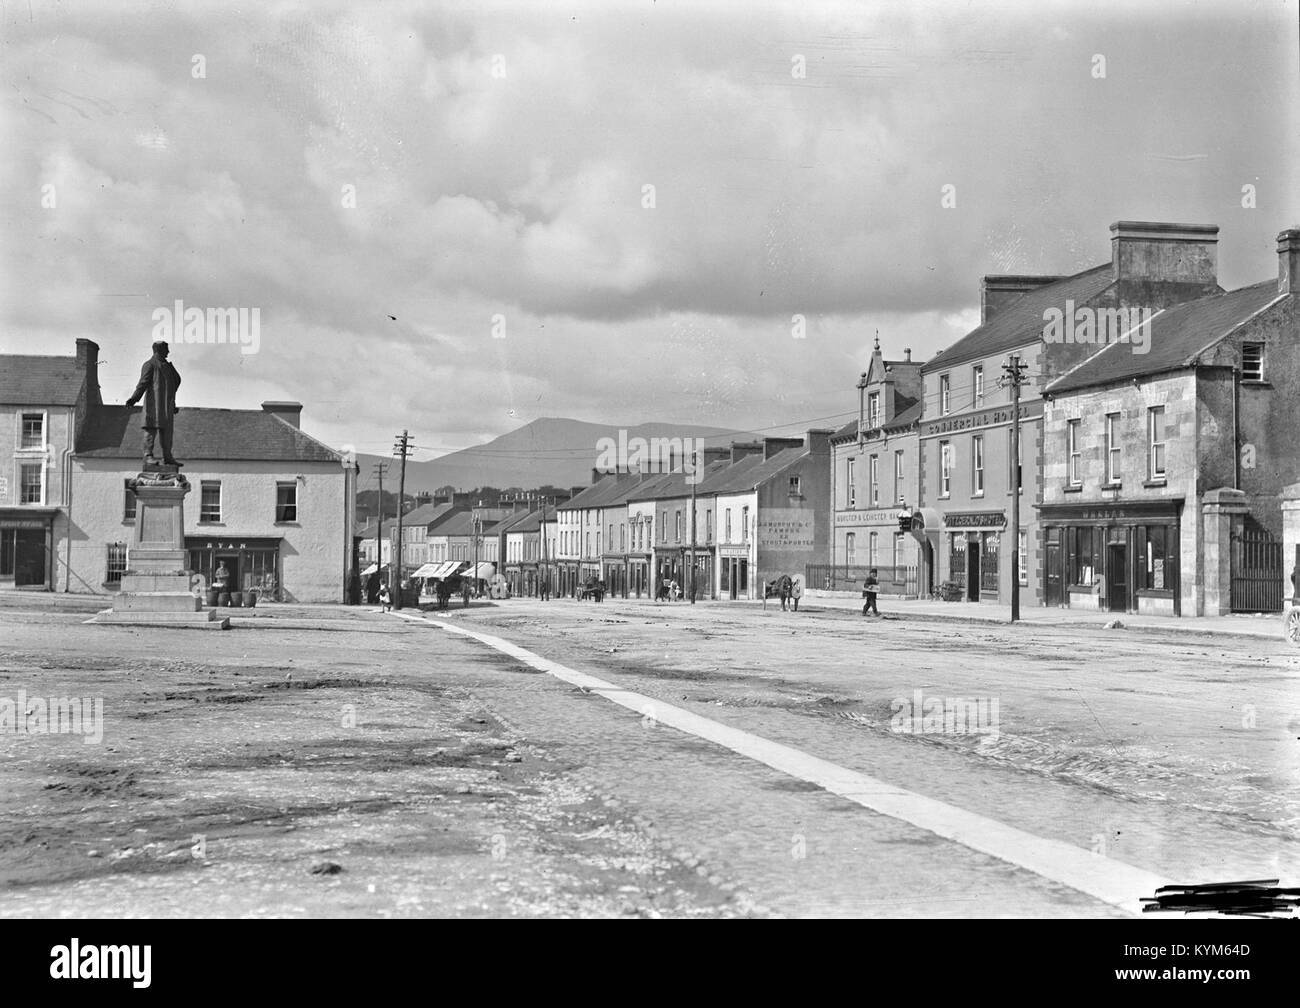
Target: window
x=945, y=469
x=989, y=561
x=1156, y=438
x=873, y=410
x=1080, y=546
x=286, y=504
x=898, y=475
x=977, y=464
x=708, y=525
x=872, y=540
x=1252, y=362
x=1022, y=560
x=796, y=486
x=128, y=502
x=957, y=558
x=33, y=432
x=663, y=526
x=30, y=485
x=873, y=480
x=586, y=544
x=744, y=524
x=727, y=526
x=1113, y=457
x=852, y=498
x=1075, y=474
x=116, y=566
x=622, y=538
x=1160, y=559
x=977, y=383
x=210, y=501
x=597, y=553
x=898, y=555
x=851, y=549
x=677, y=520
x=945, y=395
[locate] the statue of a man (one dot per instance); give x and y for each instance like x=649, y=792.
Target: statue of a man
x=158, y=384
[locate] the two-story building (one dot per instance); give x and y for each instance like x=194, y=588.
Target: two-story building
x=1049, y=324
x=1164, y=470
x=43, y=405
x=875, y=472
x=270, y=502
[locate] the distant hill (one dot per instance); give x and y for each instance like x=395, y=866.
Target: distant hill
x=550, y=450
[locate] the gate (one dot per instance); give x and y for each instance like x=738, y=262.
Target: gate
x=1257, y=576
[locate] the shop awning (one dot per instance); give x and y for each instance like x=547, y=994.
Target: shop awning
x=483, y=571
x=370, y=570
x=426, y=570
x=445, y=569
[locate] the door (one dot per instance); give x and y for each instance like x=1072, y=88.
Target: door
x=1117, y=578
x=973, y=571
x=1054, y=592
x=930, y=586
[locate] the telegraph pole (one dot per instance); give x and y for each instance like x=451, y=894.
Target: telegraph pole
x=694, y=481
x=380, y=469
x=544, y=587
x=1015, y=375
x=402, y=449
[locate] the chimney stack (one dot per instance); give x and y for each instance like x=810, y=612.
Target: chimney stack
x=1288, y=262
x=907, y=355
x=776, y=445
x=998, y=291
x=739, y=449
x=1156, y=252
x=289, y=412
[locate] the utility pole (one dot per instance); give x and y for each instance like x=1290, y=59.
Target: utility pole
x=401, y=449
x=1015, y=375
x=380, y=469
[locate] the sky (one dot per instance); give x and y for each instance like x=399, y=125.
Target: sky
x=458, y=218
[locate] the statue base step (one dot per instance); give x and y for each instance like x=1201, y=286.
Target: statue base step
x=199, y=619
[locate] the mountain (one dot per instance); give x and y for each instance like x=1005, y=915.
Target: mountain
x=551, y=450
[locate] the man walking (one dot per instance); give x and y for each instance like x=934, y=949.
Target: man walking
x=158, y=383
x=869, y=587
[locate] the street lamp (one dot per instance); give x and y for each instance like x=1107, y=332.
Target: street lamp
x=905, y=514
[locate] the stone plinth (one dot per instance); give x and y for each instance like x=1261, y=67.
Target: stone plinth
x=156, y=589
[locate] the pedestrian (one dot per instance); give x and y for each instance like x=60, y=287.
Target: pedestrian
x=869, y=587
x=796, y=590
x=385, y=598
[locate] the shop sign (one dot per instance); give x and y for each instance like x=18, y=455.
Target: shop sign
x=975, y=519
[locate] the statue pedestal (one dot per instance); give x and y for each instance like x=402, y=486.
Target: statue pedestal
x=156, y=589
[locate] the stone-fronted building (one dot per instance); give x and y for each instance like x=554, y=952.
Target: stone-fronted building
x=1164, y=471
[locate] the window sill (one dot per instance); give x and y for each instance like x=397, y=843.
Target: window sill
x=206, y=523
x=1151, y=483
x=1111, y=486
x=1256, y=383
x=1164, y=593
x=1072, y=488
x=287, y=524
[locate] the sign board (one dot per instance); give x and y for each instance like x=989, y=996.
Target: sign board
x=785, y=529
x=996, y=417
x=975, y=519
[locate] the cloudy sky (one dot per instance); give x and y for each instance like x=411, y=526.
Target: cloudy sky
x=441, y=210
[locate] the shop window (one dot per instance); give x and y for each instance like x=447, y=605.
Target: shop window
x=286, y=503
x=989, y=562
x=957, y=558
x=116, y=566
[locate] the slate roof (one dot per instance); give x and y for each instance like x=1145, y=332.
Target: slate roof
x=1177, y=337
x=218, y=434
x=461, y=523
x=527, y=521
x=38, y=381
x=741, y=478
x=1021, y=321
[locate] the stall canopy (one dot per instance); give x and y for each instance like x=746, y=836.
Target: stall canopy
x=484, y=570
x=370, y=570
x=426, y=570
x=445, y=569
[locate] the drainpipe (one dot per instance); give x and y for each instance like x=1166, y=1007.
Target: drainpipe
x=67, y=550
x=1236, y=429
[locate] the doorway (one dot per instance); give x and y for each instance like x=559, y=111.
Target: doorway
x=1117, y=577
x=972, y=572
x=231, y=560
x=1054, y=593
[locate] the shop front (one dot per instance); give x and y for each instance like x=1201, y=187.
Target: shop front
x=250, y=564
x=26, y=546
x=1117, y=556
x=972, y=541
x=638, y=576
x=733, y=572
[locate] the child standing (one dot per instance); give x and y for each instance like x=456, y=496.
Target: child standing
x=869, y=593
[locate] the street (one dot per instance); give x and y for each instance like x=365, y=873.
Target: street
x=326, y=761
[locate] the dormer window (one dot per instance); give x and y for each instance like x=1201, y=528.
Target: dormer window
x=873, y=410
